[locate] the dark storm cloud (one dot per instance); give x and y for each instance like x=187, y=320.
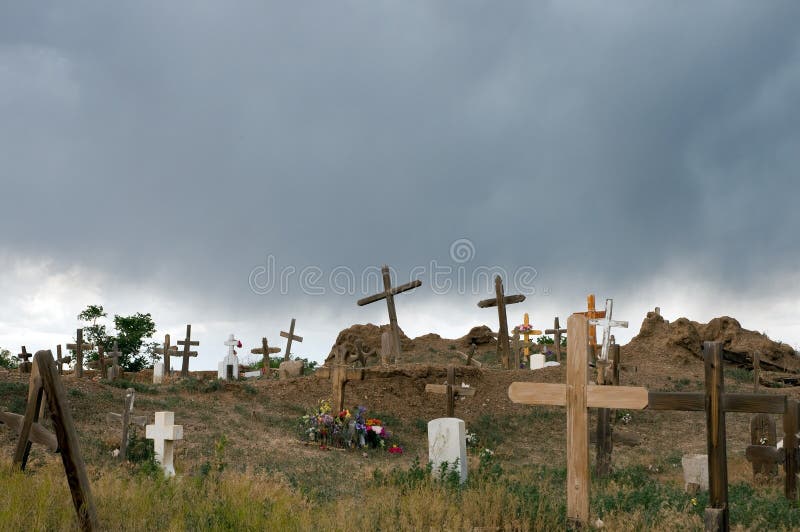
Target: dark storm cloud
x=188, y=142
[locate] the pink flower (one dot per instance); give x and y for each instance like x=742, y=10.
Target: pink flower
x=239, y=345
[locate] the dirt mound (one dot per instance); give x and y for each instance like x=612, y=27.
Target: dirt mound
x=479, y=335
x=682, y=340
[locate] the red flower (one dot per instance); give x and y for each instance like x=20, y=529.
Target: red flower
x=239, y=345
x=396, y=449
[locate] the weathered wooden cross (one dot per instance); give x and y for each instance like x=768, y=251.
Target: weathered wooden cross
x=500, y=301
x=46, y=385
x=606, y=323
x=166, y=351
x=101, y=360
x=265, y=351
x=578, y=396
x=470, y=356
x=388, y=294
x=715, y=402
x=592, y=313
x=78, y=348
x=187, y=344
x=24, y=366
x=112, y=372
x=126, y=419
x=62, y=361
x=289, y=337
x=517, y=346
x=340, y=375
x=450, y=390
x=556, y=331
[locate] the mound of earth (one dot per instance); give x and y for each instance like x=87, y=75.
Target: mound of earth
x=682, y=340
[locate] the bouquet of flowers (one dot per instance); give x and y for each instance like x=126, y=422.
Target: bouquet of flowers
x=343, y=429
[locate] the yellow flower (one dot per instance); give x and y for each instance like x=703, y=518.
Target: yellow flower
x=694, y=501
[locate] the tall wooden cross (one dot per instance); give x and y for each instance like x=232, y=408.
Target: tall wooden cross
x=289, y=337
x=78, y=348
x=606, y=323
x=556, y=331
x=265, y=350
x=500, y=301
x=187, y=344
x=592, y=313
x=388, y=294
x=166, y=351
x=24, y=366
x=450, y=390
x=578, y=397
x=340, y=375
x=126, y=419
x=46, y=385
x=62, y=361
x=113, y=372
x=527, y=331
x=715, y=402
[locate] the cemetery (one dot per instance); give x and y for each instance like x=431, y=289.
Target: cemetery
x=514, y=426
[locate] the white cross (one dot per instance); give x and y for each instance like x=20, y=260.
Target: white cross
x=606, y=323
x=164, y=433
x=231, y=342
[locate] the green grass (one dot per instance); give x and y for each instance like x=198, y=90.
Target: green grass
x=137, y=386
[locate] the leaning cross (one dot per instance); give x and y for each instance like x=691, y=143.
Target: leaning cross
x=78, y=348
x=592, y=313
x=126, y=419
x=606, y=323
x=450, y=390
x=187, y=344
x=113, y=371
x=500, y=301
x=388, y=294
x=289, y=337
x=164, y=433
x=61, y=361
x=24, y=366
x=578, y=397
x=265, y=350
x=166, y=351
x=556, y=331
x=340, y=375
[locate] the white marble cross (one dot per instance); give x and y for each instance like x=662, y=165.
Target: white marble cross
x=231, y=342
x=164, y=433
x=606, y=323
x=230, y=360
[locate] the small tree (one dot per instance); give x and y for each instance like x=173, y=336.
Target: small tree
x=7, y=360
x=132, y=331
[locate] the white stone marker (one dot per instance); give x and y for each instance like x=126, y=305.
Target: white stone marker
x=537, y=360
x=164, y=433
x=447, y=442
x=158, y=373
x=695, y=471
x=230, y=360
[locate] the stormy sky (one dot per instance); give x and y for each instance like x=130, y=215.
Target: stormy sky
x=236, y=164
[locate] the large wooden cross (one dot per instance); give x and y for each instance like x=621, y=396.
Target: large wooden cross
x=265, y=350
x=78, y=348
x=578, y=396
x=24, y=366
x=340, y=375
x=289, y=337
x=126, y=419
x=450, y=390
x=46, y=385
x=556, y=331
x=606, y=323
x=500, y=301
x=592, y=313
x=61, y=361
x=166, y=351
x=187, y=344
x=388, y=294
x=715, y=402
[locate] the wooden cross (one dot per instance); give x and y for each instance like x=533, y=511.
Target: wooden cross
x=592, y=313
x=556, y=331
x=187, y=344
x=470, y=356
x=578, y=397
x=715, y=402
x=450, y=390
x=265, y=350
x=78, y=348
x=101, y=360
x=340, y=375
x=289, y=337
x=388, y=294
x=113, y=371
x=606, y=323
x=500, y=301
x=518, y=346
x=62, y=361
x=527, y=331
x=24, y=366
x=46, y=385
x=126, y=419
x=166, y=351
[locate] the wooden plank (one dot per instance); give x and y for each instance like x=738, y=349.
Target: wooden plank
x=790, y=421
x=540, y=393
x=715, y=427
x=754, y=403
x=577, y=421
x=31, y=416
x=684, y=401
x=38, y=433
x=764, y=454
x=442, y=389
x=406, y=287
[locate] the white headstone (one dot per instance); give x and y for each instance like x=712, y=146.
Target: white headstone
x=230, y=360
x=252, y=374
x=164, y=433
x=447, y=442
x=695, y=471
x=158, y=373
x=537, y=361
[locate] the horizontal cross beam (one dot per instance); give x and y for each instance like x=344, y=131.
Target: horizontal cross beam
x=393, y=291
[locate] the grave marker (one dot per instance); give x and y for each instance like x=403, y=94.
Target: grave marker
x=388, y=294
x=762, y=434
x=527, y=331
x=500, y=301
x=289, y=337
x=126, y=419
x=187, y=344
x=450, y=390
x=447, y=442
x=386, y=348
x=592, y=313
x=101, y=360
x=46, y=385
x=606, y=323
x=24, y=365
x=78, y=348
x=228, y=369
x=265, y=351
x=164, y=433
x=114, y=371
x=340, y=375
x=62, y=361
x=166, y=351
x=470, y=356
x=556, y=331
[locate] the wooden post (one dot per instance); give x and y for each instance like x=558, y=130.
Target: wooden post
x=78, y=348
x=606, y=323
x=556, y=332
x=715, y=426
x=450, y=390
x=592, y=313
x=500, y=301
x=44, y=381
x=289, y=337
x=61, y=361
x=388, y=294
x=166, y=351
x=756, y=371
x=101, y=360
x=790, y=421
x=614, y=354
x=126, y=419
x=187, y=344
x=340, y=375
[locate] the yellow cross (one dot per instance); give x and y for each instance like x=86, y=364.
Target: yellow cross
x=527, y=333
